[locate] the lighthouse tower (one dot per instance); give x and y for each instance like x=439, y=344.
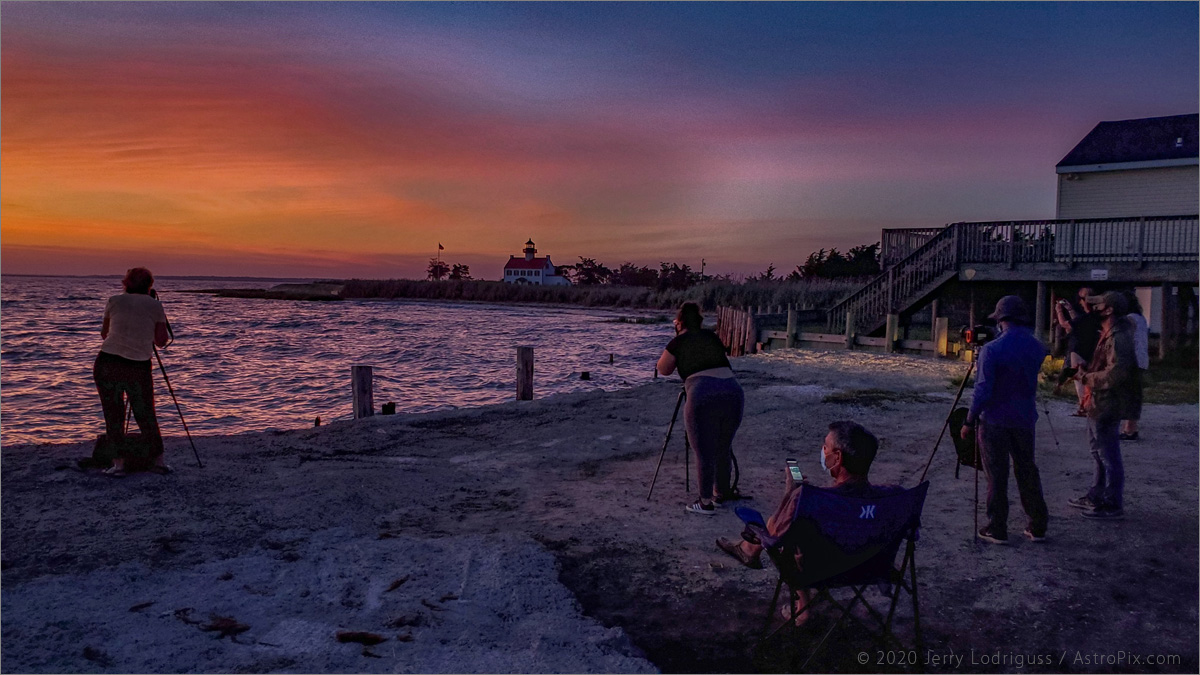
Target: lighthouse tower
x=529, y=250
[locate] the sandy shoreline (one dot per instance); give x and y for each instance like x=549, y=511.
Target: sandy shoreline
x=528, y=544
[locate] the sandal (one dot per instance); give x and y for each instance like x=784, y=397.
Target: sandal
x=735, y=550
x=114, y=472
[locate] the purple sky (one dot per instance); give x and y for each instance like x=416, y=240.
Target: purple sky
x=346, y=139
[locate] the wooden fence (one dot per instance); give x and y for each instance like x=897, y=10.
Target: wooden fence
x=748, y=331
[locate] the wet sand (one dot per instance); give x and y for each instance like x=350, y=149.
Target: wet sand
x=522, y=541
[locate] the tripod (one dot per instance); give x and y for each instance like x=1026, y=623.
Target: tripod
x=170, y=389
x=686, y=449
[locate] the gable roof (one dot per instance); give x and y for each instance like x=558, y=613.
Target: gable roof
x=1165, y=141
x=523, y=264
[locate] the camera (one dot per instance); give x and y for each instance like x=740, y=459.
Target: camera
x=978, y=335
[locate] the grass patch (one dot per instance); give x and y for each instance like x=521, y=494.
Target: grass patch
x=874, y=397
x=1171, y=385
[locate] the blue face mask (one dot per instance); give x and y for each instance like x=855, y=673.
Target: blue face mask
x=823, y=467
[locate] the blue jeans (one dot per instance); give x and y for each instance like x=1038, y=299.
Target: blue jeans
x=1108, y=485
x=712, y=415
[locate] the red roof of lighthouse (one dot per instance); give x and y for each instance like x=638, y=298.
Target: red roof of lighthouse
x=523, y=264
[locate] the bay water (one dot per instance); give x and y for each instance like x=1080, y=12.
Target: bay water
x=251, y=365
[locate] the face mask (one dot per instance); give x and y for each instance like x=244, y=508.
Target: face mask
x=823, y=467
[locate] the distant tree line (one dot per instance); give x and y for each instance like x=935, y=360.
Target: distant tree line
x=438, y=270
x=858, y=262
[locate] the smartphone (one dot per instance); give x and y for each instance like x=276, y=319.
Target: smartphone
x=794, y=470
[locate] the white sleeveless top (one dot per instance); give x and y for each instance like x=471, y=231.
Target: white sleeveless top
x=131, y=318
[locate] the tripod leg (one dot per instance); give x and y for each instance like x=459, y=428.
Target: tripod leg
x=666, y=441
x=687, y=470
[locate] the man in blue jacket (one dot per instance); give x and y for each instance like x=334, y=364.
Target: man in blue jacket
x=1002, y=417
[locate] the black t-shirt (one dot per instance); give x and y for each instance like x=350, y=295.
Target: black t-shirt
x=1085, y=333
x=697, y=350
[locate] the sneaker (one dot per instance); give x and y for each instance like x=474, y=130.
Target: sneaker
x=1079, y=413
x=1104, y=513
x=735, y=550
x=731, y=496
x=1035, y=538
x=702, y=508
x=1129, y=437
x=991, y=537
x=1084, y=502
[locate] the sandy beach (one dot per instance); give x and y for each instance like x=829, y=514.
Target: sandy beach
x=518, y=538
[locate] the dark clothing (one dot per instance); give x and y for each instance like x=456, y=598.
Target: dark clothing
x=1111, y=375
x=711, y=415
x=1006, y=380
x=697, y=350
x=1108, y=480
x=1085, y=333
x=998, y=443
x=117, y=378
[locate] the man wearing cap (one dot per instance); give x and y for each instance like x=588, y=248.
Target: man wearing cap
x=1002, y=417
x=1110, y=375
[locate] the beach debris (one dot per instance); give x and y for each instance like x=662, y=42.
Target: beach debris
x=405, y=637
x=448, y=596
x=317, y=422
x=167, y=543
x=225, y=626
x=97, y=656
x=225, y=576
x=387, y=535
x=432, y=606
x=140, y=606
x=185, y=615
x=397, y=583
x=368, y=652
x=359, y=636
x=406, y=620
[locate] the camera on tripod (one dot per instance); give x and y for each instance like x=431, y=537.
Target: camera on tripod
x=977, y=336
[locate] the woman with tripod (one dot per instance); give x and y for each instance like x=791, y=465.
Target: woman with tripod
x=713, y=410
x=134, y=323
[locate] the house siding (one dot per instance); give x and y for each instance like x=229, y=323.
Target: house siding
x=1143, y=192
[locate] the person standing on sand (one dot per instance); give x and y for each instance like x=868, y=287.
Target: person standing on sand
x=1110, y=375
x=713, y=410
x=134, y=322
x=1141, y=351
x=1003, y=417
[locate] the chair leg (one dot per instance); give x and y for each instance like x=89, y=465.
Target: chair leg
x=771, y=610
x=916, y=606
x=837, y=624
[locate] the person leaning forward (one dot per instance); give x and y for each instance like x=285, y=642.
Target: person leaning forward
x=1003, y=416
x=1111, y=375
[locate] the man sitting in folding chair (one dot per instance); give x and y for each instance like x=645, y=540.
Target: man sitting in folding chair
x=844, y=536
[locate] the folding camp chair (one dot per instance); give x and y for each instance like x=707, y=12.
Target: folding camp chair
x=846, y=542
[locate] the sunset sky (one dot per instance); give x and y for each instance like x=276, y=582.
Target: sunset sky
x=347, y=139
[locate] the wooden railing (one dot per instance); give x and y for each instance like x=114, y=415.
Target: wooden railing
x=897, y=244
x=919, y=273
x=935, y=259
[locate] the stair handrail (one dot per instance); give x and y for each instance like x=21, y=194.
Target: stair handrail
x=838, y=310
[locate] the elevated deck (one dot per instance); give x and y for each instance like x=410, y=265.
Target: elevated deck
x=918, y=262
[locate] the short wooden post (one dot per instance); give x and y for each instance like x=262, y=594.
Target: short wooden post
x=941, y=335
x=524, y=373
x=893, y=328
x=362, y=393
x=751, y=334
x=934, y=311
x=849, y=329
x=791, y=328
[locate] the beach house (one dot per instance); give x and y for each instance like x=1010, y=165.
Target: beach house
x=532, y=270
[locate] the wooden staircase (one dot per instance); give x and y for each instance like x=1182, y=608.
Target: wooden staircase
x=901, y=286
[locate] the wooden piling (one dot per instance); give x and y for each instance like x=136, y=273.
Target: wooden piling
x=791, y=328
x=941, y=335
x=524, y=373
x=892, y=332
x=849, y=329
x=362, y=391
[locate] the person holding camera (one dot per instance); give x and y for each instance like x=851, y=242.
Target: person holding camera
x=1083, y=331
x=134, y=323
x=712, y=412
x=1111, y=375
x=1002, y=417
